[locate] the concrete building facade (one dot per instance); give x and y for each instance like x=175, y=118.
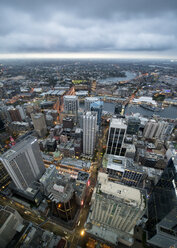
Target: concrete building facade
x=24, y=162
x=89, y=132
x=116, y=136
x=39, y=124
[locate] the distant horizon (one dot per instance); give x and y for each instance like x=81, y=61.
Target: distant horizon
x=80, y=55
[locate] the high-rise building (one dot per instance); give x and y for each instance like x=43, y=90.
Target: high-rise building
x=98, y=108
x=114, y=211
x=14, y=114
x=157, y=129
x=118, y=109
x=22, y=112
x=89, y=132
x=133, y=125
x=150, y=129
x=89, y=101
x=24, y=162
x=70, y=104
x=39, y=124
x=116, y=136
x=162, y=208
x=122, y=169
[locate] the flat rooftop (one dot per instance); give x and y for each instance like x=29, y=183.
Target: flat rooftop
x=70, y=97
x=76, y=163
x=92, y=99
x=20, y=145
x=120, y=163
x=119, y=190
x=118, y=123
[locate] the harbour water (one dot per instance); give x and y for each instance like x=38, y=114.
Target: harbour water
x=129, y=75
x=168, y=112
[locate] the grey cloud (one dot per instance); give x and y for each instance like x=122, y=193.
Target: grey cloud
x=68, y=26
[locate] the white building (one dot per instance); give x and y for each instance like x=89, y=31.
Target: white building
x=117, y=133
x=157, y=129
x=70, y=104
x=22, y=112
x=24, y=162
x=89, y=132
x=89, y=101
x=114, y=211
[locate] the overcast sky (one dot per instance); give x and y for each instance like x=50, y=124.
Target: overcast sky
x=133, y=27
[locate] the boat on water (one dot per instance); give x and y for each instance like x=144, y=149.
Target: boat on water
x=150, y=107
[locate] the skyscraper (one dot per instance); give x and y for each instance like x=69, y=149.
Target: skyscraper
x=162, y=208
x=24, y=162
x=89, y=132
x=89, y=101
x=14, y=114
x=97, y=107
x=118, y=109
x=116, y=136
x=39, y=124
x=71, y=104
x=157, y=130
x=115, y=210
x=133, y=125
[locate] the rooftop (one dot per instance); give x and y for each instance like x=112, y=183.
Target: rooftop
x=92, y=99
x=118, y=123
x=68, y=97
x=119, y=190
x=76, y=163
x=20, y=145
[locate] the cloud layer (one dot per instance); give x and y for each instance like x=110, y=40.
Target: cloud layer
x=113, y=26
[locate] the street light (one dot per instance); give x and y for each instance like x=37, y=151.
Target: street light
x=82, y=232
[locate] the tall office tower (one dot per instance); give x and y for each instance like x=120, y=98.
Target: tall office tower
x=162, y=208
x=150, y=129
x=98, y=108
x=89, y=101
x=71, y=104
x=14, y=114
x=133, y=125
x=22, y=112
x=89, y=132
x=118, y=109
x=39, y=124
x=24, y=162
x=160, y=129
x=116, y=136
x=114, y=211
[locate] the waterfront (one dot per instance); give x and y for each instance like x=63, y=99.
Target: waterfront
x=129, y=75
x=168, y=112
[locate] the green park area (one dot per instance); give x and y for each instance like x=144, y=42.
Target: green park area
x=78, y=81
